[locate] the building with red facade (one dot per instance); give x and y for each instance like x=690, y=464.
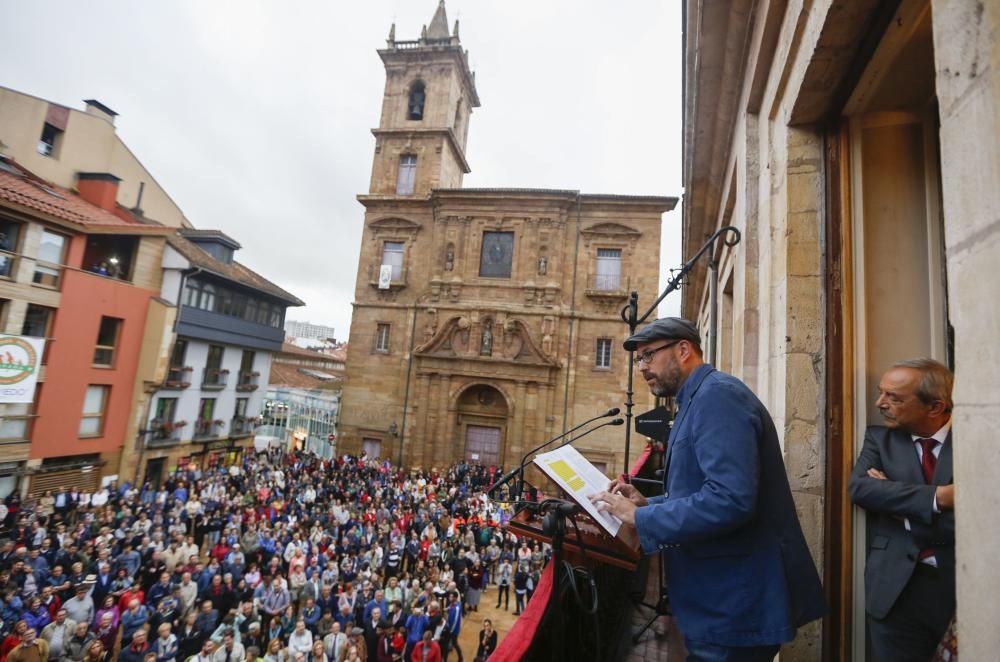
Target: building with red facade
x=84, y=273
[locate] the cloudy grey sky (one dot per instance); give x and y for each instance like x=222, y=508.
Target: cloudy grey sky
x=255, y=115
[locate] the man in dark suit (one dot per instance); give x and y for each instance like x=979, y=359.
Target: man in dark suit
x=740, y=574
x=903, y=479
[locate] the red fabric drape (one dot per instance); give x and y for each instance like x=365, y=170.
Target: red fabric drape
x=519, y=639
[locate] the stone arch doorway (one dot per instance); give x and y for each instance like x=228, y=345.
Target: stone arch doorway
x=482, y=417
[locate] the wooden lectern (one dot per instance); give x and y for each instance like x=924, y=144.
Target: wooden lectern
x=592, y=544
x=568, y=623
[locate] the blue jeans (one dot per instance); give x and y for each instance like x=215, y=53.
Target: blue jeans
x=700, y=651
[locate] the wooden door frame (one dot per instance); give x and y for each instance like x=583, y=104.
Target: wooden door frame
x=838, y=553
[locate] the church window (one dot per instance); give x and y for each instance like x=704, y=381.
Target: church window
x=497, y=254
x=407, y=177
x=418, y=95
x=609, y=269
x=392, y=255
x=603, y=353
x=382, y=338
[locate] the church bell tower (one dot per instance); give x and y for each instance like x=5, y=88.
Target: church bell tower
x=430, y=92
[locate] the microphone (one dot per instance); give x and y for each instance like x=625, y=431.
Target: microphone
x=519, y=470
x=615, y=421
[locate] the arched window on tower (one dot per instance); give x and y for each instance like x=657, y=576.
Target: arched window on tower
x=415, y=109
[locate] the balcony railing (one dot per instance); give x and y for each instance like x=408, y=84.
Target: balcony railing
x=215, y=378
x=207, y=429
x=608, y=285
x=165, y=432
x=397, y=281
x=241, y=425
x=249, y=381
x=178, y=377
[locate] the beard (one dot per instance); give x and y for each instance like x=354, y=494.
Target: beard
x=669, y=382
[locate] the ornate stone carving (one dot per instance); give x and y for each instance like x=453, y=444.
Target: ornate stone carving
x=510, y=340
x=486, y=340
x=449, y=257
x=616, y=233
x=393, y=227
x=430, y=327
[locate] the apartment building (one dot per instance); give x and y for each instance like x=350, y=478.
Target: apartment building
x=82, y=274
x=229, y=322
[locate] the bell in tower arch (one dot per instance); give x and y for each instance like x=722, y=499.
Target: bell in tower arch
x=415, y=109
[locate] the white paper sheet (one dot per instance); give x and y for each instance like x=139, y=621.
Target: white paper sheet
x=579, y=478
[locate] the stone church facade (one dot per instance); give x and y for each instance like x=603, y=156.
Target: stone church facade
x=485, y=320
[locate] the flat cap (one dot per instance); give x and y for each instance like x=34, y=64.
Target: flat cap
x=674, y=328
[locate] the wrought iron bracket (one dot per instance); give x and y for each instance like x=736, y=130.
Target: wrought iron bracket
x=728, y=236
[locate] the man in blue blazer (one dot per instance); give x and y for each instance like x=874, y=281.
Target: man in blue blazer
x=740, y=574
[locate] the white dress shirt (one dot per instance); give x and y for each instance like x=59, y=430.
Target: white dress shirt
x=940, y=436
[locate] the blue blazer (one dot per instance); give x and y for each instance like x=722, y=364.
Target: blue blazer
x=736, y=563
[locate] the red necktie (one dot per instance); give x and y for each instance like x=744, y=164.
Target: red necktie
x=928, y=462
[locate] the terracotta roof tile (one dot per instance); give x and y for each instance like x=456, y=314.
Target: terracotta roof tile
x=290, y=375
x=231, y=271
x=21, y=187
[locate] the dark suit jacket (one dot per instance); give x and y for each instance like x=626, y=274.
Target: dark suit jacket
x=737, y=564
x=892, y=550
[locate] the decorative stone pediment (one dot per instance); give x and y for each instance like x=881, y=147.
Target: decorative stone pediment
x=461, y=337
x=394, y=226
x=616, y=230
x=611, y=234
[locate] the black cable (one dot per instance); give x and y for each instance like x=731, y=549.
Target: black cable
x=593, y=589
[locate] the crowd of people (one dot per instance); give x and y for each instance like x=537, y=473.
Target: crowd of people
x=285, y=558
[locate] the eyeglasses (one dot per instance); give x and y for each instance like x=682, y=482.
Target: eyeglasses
x=647, y=356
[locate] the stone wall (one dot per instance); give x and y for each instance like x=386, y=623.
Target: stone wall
x=765, y=177
x=967, y=59
x=545, y=321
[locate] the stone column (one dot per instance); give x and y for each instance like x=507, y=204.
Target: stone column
x=517, y=441
x=424, y=421
x=445, y=429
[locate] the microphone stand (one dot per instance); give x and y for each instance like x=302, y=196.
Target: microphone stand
x=554, y=519
x=519, y=470
x=614, y=421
